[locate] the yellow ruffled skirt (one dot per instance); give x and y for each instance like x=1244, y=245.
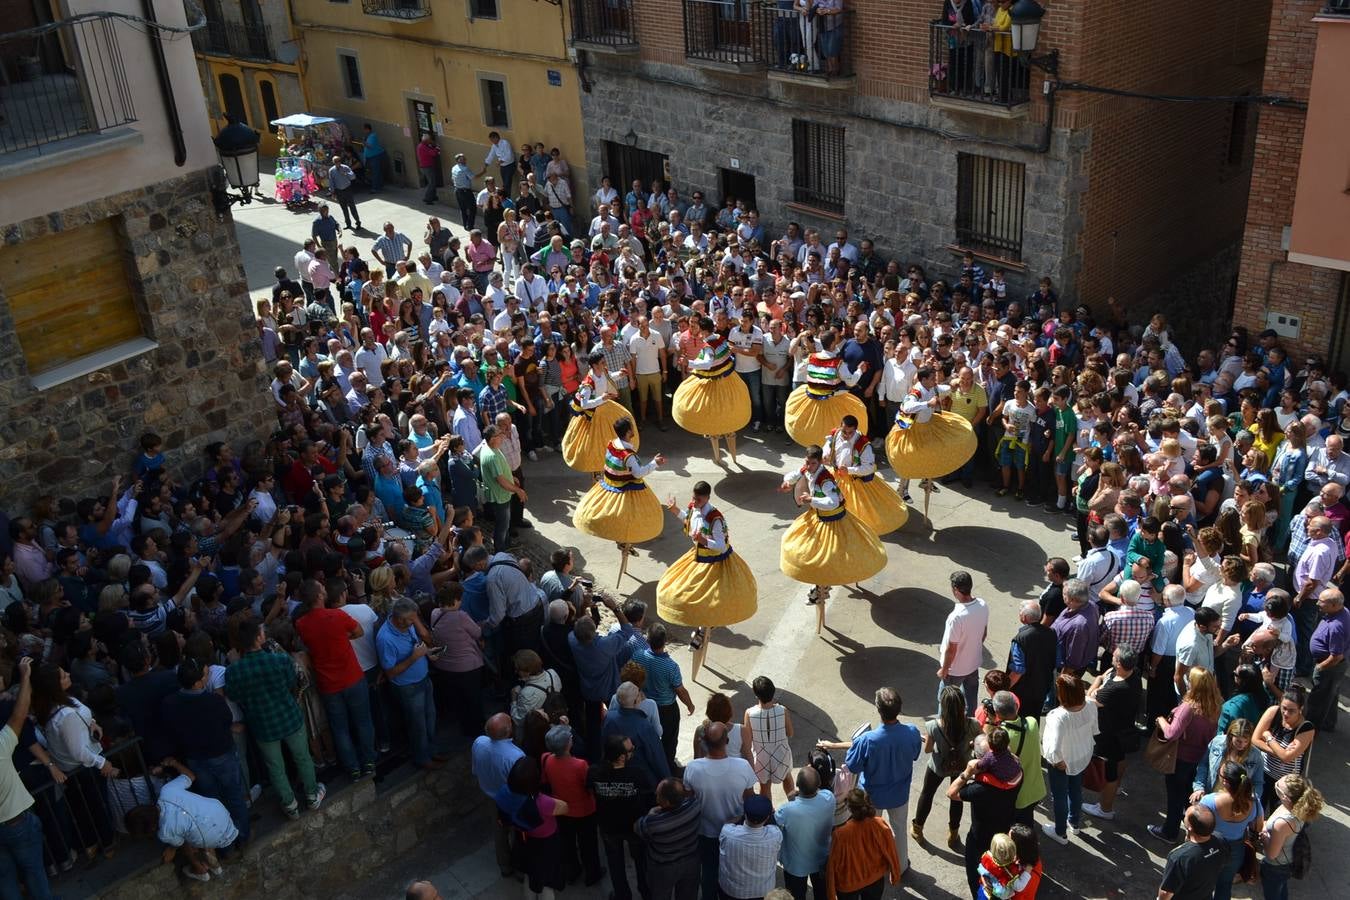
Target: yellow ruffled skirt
x=874, y=502
x=931, y=449
x=625, y=517
x=707, y=594
x=712, y=406
x=583, y=445
x=809, y=420
x=818, y=551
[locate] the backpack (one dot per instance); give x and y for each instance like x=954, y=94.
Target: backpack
x=1300, y=860
x=555, y=704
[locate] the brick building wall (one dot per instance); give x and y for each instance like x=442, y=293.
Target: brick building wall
x=1267, y=280
x=203, y=382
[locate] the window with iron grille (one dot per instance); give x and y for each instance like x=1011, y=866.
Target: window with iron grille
x=495, y=113
x=351, y=75
x=818, y=165
x=989, y=200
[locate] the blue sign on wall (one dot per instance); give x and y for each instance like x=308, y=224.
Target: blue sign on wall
x=554, y=78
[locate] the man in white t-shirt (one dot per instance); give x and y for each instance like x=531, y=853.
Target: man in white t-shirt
x=303, y=258
x=776, y=375
x=747, y=345
x=962, y=647
x=723, y=782
x=181, y=818
x=649, y=362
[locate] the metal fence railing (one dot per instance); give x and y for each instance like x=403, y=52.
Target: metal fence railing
x=820, y=46
x=62, y=80
x=968, y=63
x=241, y=41
x=603, y=22
x=725, y=31
x=397, y=9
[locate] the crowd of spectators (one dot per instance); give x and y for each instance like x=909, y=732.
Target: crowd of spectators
x=353, y=584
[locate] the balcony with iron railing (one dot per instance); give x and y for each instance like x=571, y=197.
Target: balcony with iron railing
x=975, y=70
x=235, y=40
x=604, y=26
x=815, y=50
x=1336, y=8
x=752, y=35
x=62, y=81
x=397, y=9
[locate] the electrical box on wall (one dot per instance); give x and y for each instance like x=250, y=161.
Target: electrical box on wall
x=1285, y=325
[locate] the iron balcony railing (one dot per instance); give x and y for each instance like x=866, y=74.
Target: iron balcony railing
x=726, y=31
x=239, y=41
x=397, y=9
x=603, y=22
x=819, y=45
x=1337, y=8
x=62, y=80
x=969, y=63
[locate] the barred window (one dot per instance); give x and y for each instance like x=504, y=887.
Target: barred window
x=989, y=201
x=818, y=165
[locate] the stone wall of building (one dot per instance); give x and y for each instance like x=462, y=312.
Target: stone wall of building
x=900, y=159
x=328, y=853
x=203, y=383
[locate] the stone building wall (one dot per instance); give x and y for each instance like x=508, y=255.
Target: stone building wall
x=900, y=178
x=204, y=382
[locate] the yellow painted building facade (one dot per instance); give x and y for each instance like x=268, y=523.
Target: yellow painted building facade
x=461, y=68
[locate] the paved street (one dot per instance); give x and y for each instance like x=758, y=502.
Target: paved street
x=886, y=632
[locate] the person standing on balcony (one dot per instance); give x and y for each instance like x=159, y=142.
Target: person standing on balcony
x=373, y=157
x=429, y=165
x=810, y=57
x=831, y=32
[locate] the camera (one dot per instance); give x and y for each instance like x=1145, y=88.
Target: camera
x=988, y=705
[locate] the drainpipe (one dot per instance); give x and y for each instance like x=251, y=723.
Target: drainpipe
x=165, y=85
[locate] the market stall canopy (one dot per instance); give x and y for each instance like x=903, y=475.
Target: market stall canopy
x=302, y=120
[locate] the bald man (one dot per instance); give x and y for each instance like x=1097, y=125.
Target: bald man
x=723, y=782
x=493, y=756
x=422, y=890
x=807, y=820
x=1314, y=570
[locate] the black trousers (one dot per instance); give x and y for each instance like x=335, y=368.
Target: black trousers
x=468, y=207
x=580, y=848
x=618, y=871
x=796, y=885
x=931, y=782
x=872, y=892
x=347, y=202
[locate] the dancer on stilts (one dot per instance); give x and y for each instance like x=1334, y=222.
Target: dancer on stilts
x=849, y=452
x=712, y=401
x=592, y=428
x=710, y=586
x=825, y=545
x=816, y=407
x=926, y=441
x=620, y=507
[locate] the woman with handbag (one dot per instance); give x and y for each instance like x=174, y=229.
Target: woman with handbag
x=1284, y=734
x=948, y=740
x=1118, y=696
x=1300, y=803
x=1066, y=745
x=1236, y=811
x=1188, y=729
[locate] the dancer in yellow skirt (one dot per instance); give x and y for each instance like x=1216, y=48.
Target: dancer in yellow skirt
x=816, y=407
x=710, y=586
x=926, y=441
x=711, y=401
x=825, y=545
x=592, y=427
x=869, y=498
x=619, y=506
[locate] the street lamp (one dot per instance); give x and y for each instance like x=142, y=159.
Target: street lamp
x=237, y=146
x=1026, y=30
x=631, y=137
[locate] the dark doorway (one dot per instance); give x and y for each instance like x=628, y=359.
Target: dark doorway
x=232, y=98
x=738, y=184
x=623, y=164
x=424, y=122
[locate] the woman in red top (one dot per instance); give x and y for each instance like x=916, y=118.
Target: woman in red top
x=341, y=683
x=565, y=779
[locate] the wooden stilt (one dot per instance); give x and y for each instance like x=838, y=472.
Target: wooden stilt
x=927, y=492
x=821, y=593
x=716, y=451
x=623, y=564
x=701, y=653
x=731, y=448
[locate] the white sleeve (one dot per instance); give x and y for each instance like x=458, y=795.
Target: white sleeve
x=867, y=462
x=846, y=375
x=830, y=499
x=717, y=536
x=912, y=405
x=77, y=740
x=638, y=469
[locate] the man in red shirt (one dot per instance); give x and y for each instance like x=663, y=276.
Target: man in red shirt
x=299, y=480
x=341, y=683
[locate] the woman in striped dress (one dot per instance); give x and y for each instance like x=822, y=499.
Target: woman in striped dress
x=709, y=402
x=1284, y=735
x=819, y=404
